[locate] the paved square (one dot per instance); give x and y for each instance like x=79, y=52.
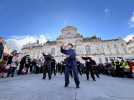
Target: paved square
x=32, y=87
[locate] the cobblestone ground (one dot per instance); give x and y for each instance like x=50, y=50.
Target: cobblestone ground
x=32, y=87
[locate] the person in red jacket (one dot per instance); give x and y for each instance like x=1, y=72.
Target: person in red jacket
x=131, y=65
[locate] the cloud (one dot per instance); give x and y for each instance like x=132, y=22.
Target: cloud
x=131, y=21
x=17, y=42
x=129, y=37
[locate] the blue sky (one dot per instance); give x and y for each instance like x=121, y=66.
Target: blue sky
x=106, y=18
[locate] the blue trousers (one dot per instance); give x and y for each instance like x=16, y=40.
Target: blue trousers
x=73, y=69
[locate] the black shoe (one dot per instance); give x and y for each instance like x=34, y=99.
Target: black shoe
x=98, y=76
x=44, y=78
x=12, y=76
x=77, y=86
x=66, y=85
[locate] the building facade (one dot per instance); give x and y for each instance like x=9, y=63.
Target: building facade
x=98, y=49
x=131, y=45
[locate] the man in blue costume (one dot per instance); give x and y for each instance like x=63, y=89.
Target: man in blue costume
x=71, y=64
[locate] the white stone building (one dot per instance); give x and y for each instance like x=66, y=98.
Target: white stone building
x=131, y=45
x=100, y=50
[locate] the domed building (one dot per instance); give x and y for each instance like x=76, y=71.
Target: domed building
x=101, y=50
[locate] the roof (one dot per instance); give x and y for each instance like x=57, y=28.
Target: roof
x=111, y=40
x=93, y=38
x=68, y=28
x=50, y=42
x=31, y=45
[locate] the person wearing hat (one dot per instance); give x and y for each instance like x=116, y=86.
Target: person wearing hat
x=71, y=64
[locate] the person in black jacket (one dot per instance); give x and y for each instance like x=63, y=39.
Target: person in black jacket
x=71, y=64
x=22, y=64
x=91, y=67
x=53, y=64
x=1, y=47
x=79, y=67
x=47, y=68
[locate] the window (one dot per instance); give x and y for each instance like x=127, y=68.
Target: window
x=88, y=49
x=53, y=51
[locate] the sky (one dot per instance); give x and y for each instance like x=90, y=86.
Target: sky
x=29, y=20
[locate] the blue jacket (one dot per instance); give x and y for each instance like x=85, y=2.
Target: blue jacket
x=71, y=59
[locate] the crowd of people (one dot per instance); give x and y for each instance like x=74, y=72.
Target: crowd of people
x=11, y=65
x=118, y=68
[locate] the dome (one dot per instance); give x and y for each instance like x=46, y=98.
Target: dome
x=69, y=32
x=68, y=28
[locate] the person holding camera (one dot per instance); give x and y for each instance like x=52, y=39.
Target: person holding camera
x=71, y=64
